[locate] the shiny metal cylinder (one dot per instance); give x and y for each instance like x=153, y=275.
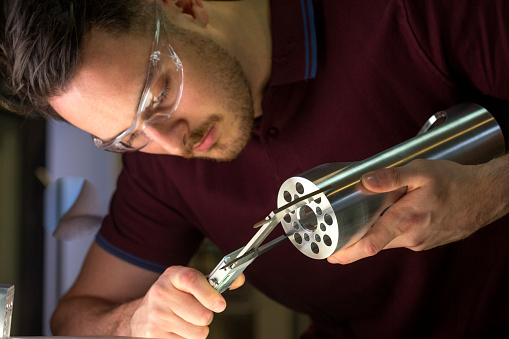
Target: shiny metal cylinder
x=465, y=133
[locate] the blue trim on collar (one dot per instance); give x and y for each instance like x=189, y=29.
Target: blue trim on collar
x=108, y=247
x=308, y=16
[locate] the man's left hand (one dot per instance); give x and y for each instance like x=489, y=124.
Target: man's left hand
x=445, y=202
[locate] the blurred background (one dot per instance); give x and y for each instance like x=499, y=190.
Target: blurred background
x=34, y=154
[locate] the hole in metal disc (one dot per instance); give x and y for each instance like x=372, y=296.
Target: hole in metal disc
x=298, y=238
x=318, y=200
x=287, y=218
x=307, y=218
x=327, y=240
x=287, y=196
x=296, y=225
x=299, y=188
x=296, y=197
x=328, y=219
x=318, y=211
x=322, y=227
x=317, y=238
x=315, y=248
x=306, y=236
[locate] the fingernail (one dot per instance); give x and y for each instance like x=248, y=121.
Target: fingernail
x=332, y=260
x=373, y=179
x=219, y=306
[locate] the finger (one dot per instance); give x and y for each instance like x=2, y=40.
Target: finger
x=168, y=312
x=238, y=282
x=383, y=180
x=165, y=324
x=372, y=243
x=157, y=322
x=188, y=308
x=390, y=179
x=193, y=282
x=176, y=329
x=181, y=328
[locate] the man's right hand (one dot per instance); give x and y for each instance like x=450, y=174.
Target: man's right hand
x=180, y=303
x=113, y=297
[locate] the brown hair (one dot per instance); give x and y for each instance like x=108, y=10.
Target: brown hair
x=42, y=41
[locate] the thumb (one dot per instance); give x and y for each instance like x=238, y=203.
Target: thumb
x=238, y=282
x=383, y=180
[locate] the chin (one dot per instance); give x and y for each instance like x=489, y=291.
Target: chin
x=222, y=152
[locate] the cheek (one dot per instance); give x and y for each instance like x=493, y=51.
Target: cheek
x=198, y=98
x=199, y=82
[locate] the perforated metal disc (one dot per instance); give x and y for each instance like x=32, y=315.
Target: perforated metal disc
x=315, y=225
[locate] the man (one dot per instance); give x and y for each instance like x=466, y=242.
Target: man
x=271, y=90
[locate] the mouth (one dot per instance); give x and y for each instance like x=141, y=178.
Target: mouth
x=207, y=141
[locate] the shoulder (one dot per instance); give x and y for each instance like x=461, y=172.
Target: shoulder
x=453, y=19
x=466, y=39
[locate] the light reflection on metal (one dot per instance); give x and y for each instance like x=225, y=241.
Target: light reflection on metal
x=466, y=133
x=6, y=307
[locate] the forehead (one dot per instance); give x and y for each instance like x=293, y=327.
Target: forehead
x=103, y=96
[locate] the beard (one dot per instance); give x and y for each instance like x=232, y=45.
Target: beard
x=229, y=81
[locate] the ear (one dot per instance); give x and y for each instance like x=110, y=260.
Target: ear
x=194, y=8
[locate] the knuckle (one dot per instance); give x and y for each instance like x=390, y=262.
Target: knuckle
x=155, y=292
x=172, y=270
x=205, y=318
x=404, y=226
x=423, y=168
x=412, y=228
x=415, y=242
x=392, y=176
x=409, y=223
x=188, y=277
x=370, y=248
x=416, y=245
x=183, y=276
x=420, y=163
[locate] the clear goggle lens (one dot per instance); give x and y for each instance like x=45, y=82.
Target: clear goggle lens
x=159, y=100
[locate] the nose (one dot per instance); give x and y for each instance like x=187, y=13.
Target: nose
x=167, y=137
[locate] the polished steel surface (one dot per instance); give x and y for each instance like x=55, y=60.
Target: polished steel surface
x=225, y=272
x=6, y=307
x=232, y=265
x=465, y=133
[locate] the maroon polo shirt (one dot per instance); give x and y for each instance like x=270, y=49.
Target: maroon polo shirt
x=349, y=79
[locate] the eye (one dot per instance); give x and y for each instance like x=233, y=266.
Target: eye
x=162, y=88
x=163, y=94
x=128, y=141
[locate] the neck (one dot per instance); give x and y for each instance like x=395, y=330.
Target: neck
x=244, y=30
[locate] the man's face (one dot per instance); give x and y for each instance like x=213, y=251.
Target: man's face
x=215, y=114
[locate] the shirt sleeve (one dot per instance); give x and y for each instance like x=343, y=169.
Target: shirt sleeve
x=147, y=224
